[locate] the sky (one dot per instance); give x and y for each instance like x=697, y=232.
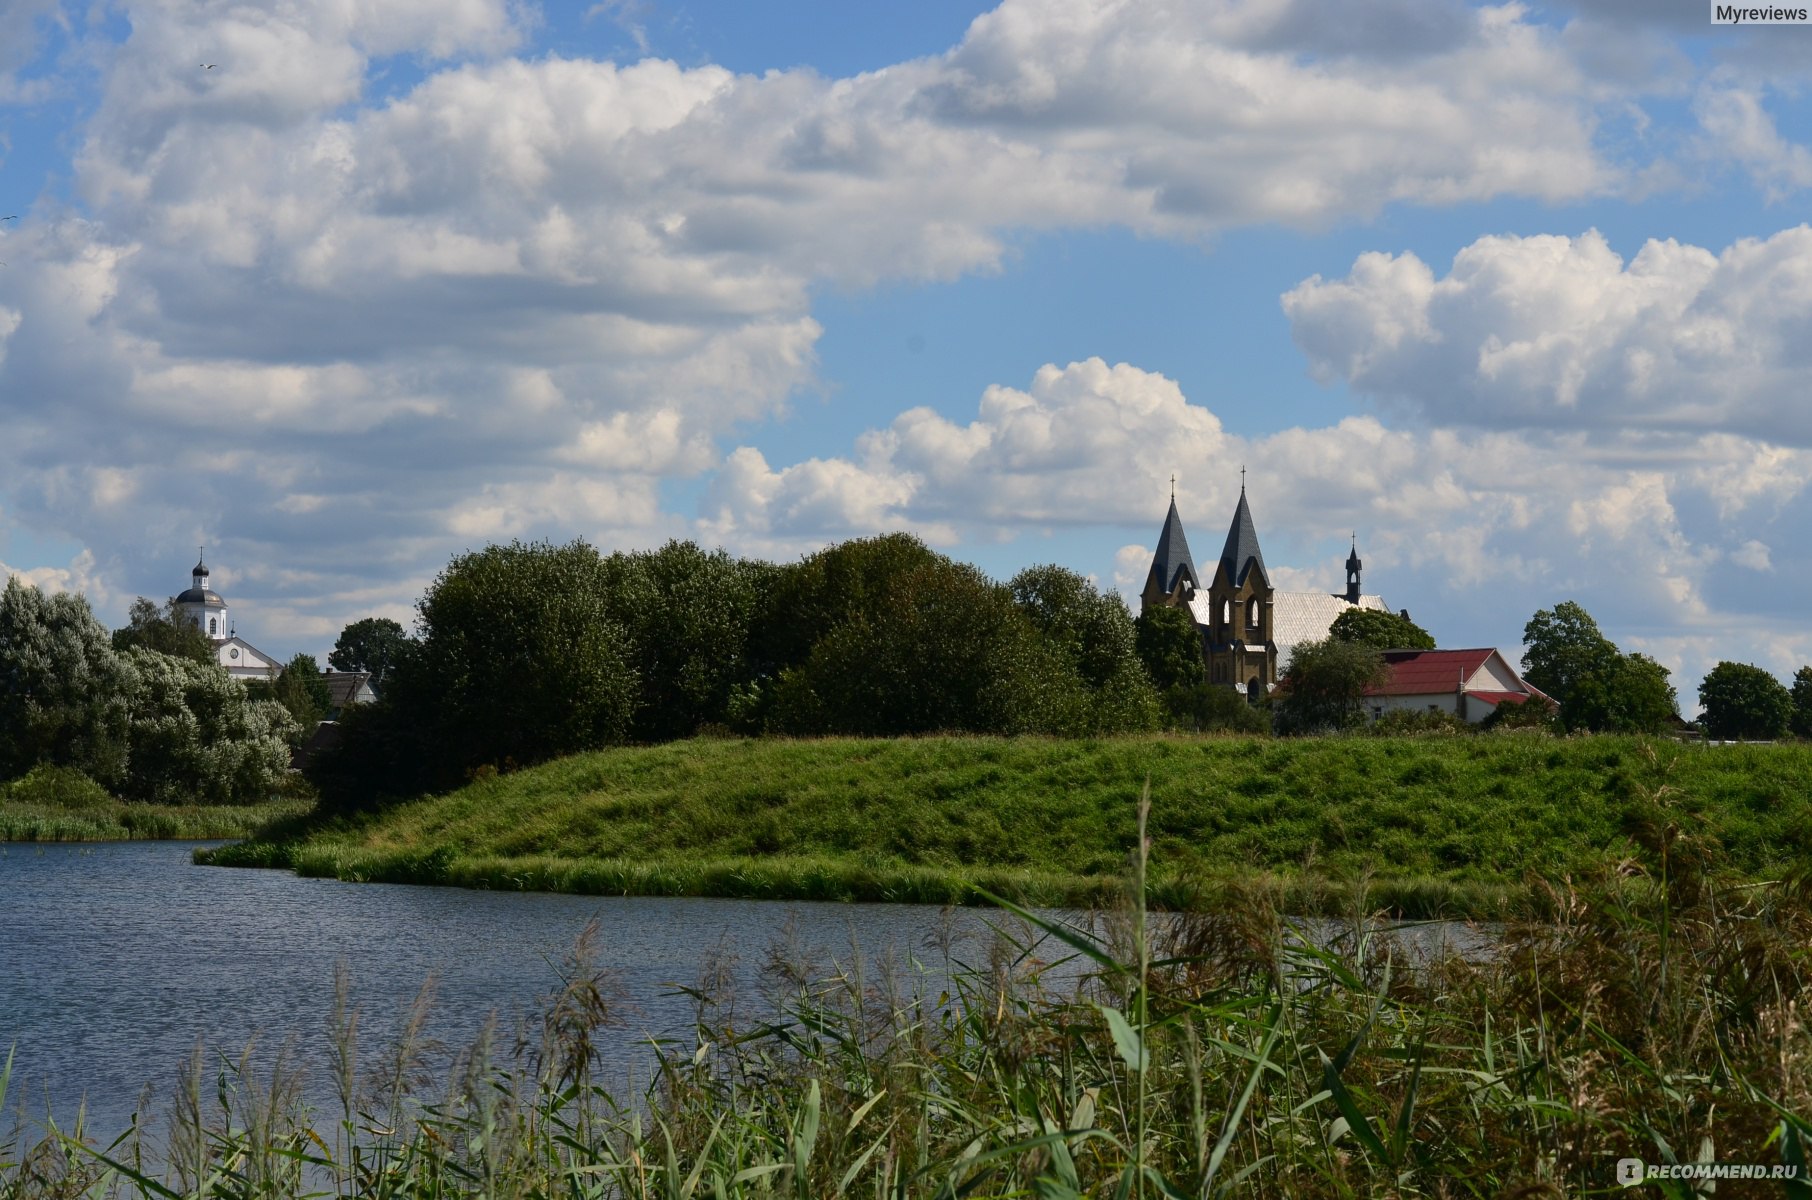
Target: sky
x=1519, y=295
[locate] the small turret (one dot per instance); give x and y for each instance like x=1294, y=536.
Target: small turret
x=1353, y=566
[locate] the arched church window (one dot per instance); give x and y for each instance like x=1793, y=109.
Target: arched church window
x=1252, y=613
x=212, y=625
x=1226, y=612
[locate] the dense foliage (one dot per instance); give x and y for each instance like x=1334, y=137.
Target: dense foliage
x=1801, y=723
x=373, y=644
x=147, y=724
x=1381, y=629
x=1744, y=701
x=1598, y=687
x=164, y=630
x=1324, y=685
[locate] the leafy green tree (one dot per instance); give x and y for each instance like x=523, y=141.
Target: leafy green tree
x=804, y=601
x=1204, y=707
x=63, y=690
x=163, y=630
x=1093, y=633
x=301, y=690
x=1565, y=646
x=1744, y=701
x=1630, y=693
x=1801, y=724
x=372, y=644
x=198, y=736
x=938, y=647
x=1170, y=645
x=519, y=660
x=1379, y=628
x=1324, y=685
x=688, y=615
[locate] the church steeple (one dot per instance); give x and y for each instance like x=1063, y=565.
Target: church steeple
x=1353, y=566
x=1241, y=552
x=1172, y=566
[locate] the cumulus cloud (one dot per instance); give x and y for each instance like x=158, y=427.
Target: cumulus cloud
x=1491, y=524
x=1560, y=332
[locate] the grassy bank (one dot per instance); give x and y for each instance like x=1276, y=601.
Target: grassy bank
x=53, y=805
x=1212, y=1056
x=1424, y=826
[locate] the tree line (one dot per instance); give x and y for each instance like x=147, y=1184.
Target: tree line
x=528, y=651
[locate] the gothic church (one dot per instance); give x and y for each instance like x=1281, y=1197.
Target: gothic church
x=1248, y=628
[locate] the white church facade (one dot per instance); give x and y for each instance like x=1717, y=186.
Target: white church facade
x=207, y=611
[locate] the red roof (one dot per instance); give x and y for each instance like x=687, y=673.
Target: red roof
x=1429, y=672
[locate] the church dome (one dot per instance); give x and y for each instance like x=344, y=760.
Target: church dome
x=199, y=595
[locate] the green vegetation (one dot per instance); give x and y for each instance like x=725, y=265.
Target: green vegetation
x=1423, y=825
x=1598, y=687
x=1381, y=630
x=1324, y=683
x=1744, y=701
x=56, y=804
x=1656, y=1014
x=147, y=725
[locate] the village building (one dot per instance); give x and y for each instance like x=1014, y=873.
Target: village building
x=1248, y=627
x=1468, y=684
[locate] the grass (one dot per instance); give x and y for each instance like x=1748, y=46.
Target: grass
x=55, y=805
x=1224, y=1054
x=1423, y=826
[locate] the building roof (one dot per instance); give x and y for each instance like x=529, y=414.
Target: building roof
x=199, y=596
x=1241, y=550
x=1173, y=559
x=1307, y=617
x=1480, y=671
x=343, y=687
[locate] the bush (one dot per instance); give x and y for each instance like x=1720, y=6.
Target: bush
x=47, y=786
x=1214, y=708
x=1402, y=722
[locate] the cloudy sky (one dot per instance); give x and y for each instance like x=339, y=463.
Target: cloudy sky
x=1522, y=294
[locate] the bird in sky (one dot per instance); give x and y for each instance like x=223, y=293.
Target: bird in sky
x=14, y=217
x=207, y=66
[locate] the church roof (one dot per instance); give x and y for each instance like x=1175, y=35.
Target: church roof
x=199, y=596
x=1173, y=557
x=1307, y=617
x=1242, y=549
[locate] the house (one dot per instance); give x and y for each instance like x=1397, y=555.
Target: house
x=1469, y=684
x=1248, y=627
x=347, y=687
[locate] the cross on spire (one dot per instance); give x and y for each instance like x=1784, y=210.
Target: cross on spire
x=1242, y=480
x=1173, y=485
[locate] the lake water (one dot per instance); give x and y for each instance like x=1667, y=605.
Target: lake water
x=115, y=957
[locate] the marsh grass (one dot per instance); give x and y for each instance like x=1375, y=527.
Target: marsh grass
x=57, y=804
x=1454, y=826
x=1660, y=1013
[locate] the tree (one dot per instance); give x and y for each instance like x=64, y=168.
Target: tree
x=938, y=647
x=1744, y=701
x=198, y=736
x=63, y=690
x=808, y=599
x=688, y=616
x=1381, y=629
x=1628, y=694
x=1324, y=685
x=163, y=630
x=300, y=689
x=1093, y=633
x=1564, y=646
x=519, y=660
x=373, y=644
x=1801, y=725
x=1170, y=646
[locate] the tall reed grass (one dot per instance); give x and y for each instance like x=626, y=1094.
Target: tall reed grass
x=1659, y=1013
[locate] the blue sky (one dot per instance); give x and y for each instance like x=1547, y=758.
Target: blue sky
x=1522, y=294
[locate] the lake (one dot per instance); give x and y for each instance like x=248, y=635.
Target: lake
x=116, y=957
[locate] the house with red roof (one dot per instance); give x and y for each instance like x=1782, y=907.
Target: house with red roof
x=1469, y=684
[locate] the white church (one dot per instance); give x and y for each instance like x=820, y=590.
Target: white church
x=207, y=611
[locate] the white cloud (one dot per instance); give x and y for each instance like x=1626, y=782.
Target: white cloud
x=1483, y=527
x=1739, y=129
x=1558, y=332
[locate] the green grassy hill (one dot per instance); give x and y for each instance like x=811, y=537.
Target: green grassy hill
x=1427, y=825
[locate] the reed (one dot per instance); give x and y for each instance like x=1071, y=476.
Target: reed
x=1657, y=1012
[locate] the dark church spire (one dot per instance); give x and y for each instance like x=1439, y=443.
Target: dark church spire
x=1173, y=561
x=1353, y=566
x=1241, y=550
